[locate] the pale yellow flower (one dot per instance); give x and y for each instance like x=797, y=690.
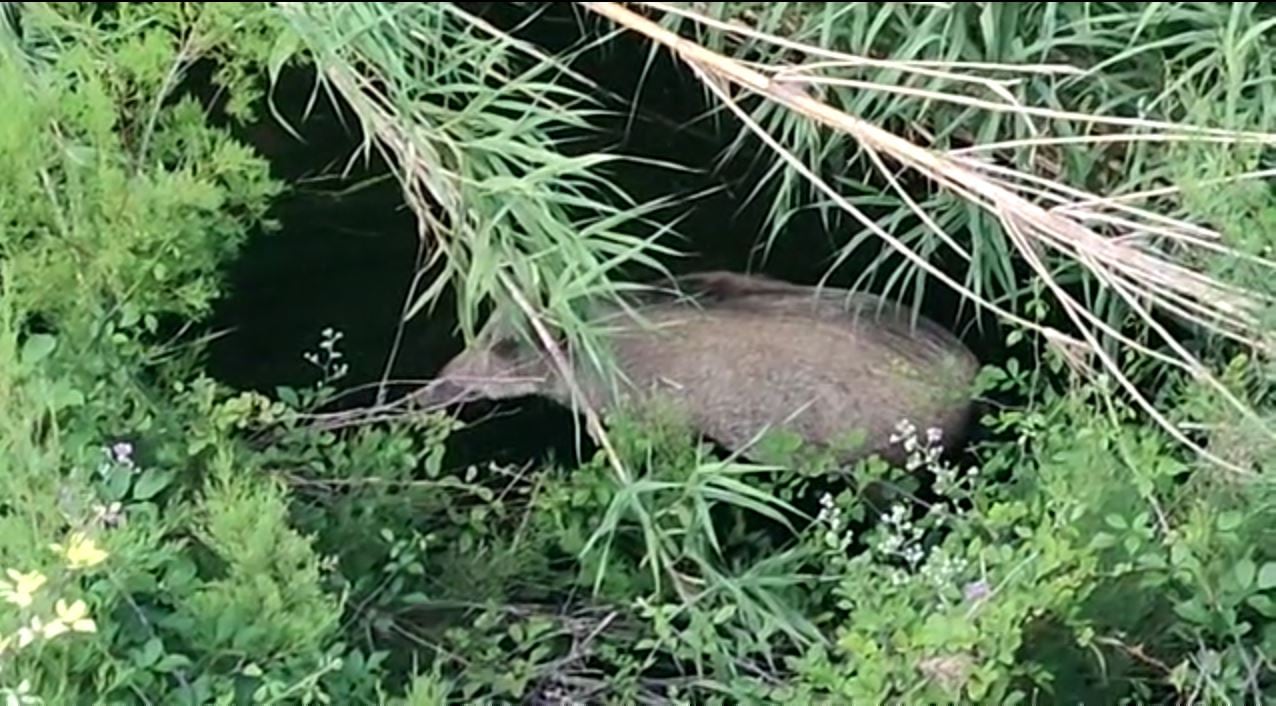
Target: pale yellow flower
x=81, y=551
x=74, y=617
x=70, y=618
x=22, y=695
x=27, y=635
x=54, y=628
x=23, y=587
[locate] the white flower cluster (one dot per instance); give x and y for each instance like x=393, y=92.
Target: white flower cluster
x=328, y=358
x=942, y=571
x=900, y=536
x=831, y=515
x=948, y=477
x=118, y=460
x=918, y=455
x=903, y=538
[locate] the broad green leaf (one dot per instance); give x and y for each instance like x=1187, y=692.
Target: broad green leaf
x=1263, y=604
x=1229, y=521
x=37, y=348
x=1267, y=576
x=1245, y=571
x=150, y=483
x=117, y=482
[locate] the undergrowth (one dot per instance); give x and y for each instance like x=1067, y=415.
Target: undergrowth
x=164, y=539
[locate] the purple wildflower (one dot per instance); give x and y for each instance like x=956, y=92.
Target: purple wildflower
x=122, y=453
x=977, y=590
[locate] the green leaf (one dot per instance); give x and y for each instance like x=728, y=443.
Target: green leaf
x=723, y=614
x=288, y=396
x=1245, y=571
x=151, y=483
x=1267, y=576
x=1229, y=521
x=129, y=316
x=1102, y=540
x=287, y=44
x=1264, y=605
x=64, y=396
x=171, y=663
x=1181, y=555
x=1193, y=611
x=37, y=348
x=117, y=482
x=150, y=653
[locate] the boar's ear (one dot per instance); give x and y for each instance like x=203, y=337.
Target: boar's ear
x=503, y=339
x=507, y=348
x=514, y=348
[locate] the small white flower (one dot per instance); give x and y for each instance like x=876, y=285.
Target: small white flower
x=897, y=513
x=913, y=554
x=109, y=515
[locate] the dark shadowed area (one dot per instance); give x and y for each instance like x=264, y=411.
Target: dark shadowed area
x=347, y=248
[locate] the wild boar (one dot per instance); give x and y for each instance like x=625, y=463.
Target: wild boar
x=741, y=355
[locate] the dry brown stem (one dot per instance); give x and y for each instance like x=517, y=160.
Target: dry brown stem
x=1145, y=279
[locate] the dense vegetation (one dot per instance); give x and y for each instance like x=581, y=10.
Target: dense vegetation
x=165, y=538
